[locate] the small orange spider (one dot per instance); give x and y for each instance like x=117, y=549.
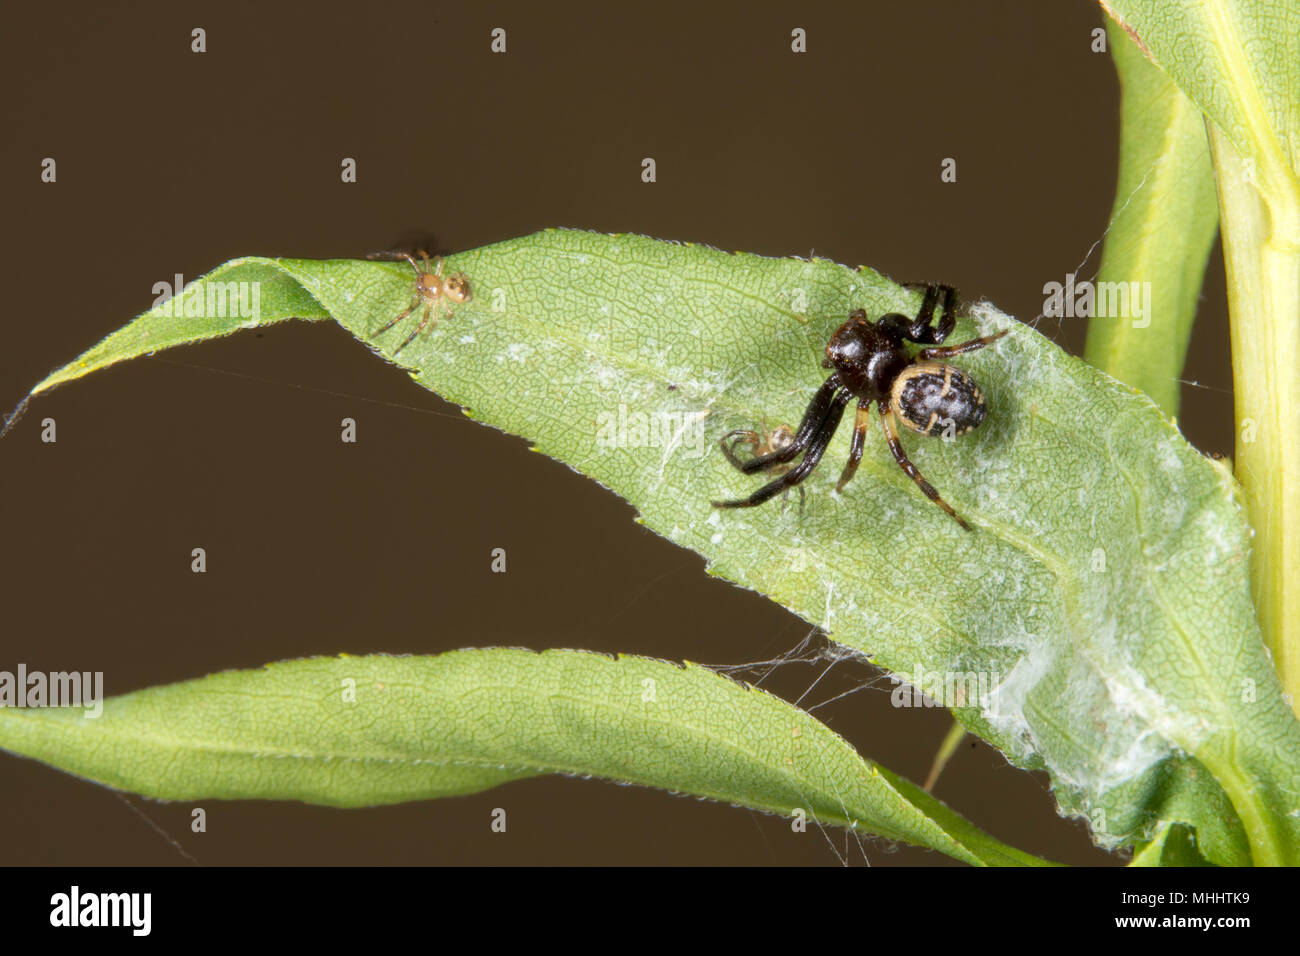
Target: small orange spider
x=762, y=443
x=431, y=288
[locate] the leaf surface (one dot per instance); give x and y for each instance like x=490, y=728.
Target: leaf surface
x=1102, y=599
x=362, y=731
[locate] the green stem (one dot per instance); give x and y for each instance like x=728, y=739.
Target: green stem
x=1261, y=244
x=1267, y=845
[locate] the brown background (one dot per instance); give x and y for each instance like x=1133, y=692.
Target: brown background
x=174, y=162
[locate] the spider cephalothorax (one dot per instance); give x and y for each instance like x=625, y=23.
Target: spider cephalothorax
x=871, y=363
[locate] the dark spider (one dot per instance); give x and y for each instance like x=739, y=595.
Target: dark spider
x=872, y=365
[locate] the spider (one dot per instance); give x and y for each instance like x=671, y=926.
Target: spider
x=871, y=364
x=761, y=443
x=430, y=288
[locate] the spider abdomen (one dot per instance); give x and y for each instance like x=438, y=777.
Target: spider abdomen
x=936, y=399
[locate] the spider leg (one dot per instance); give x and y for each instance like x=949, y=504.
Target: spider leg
x=785, y=499
x=944, y=352
x=388, y=255
x=424, y=322
x=745, y=436
x=729, y=442
x=818, y=410
x=900, y=456
x=415, y=303
x=816, y=448
x=923, y=329
x=925, y=315
x=861, y=421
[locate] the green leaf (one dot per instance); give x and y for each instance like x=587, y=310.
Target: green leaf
x=360, y=731
x=1161, y=232
x=1174, y=845
x=1103, y=595
x=1239, y=61
x=951, y=741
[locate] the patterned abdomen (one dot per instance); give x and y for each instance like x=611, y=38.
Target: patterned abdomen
x=936, y=399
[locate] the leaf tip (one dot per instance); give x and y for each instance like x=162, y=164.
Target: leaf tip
x=1124, y=25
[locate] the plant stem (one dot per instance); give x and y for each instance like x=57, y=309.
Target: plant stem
x=1261, y=250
